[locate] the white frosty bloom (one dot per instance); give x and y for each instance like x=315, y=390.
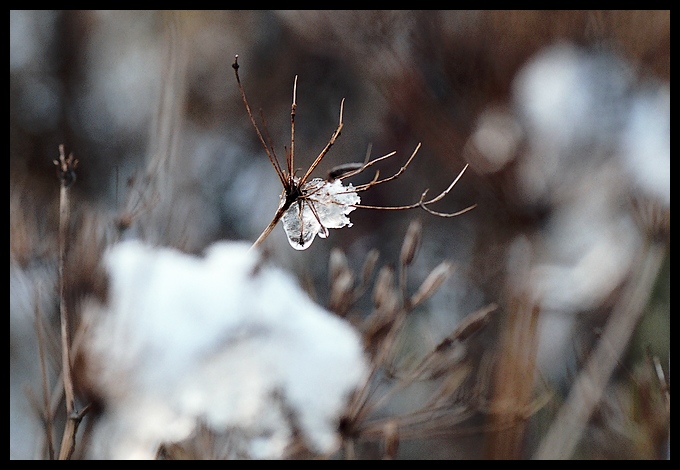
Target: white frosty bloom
x=221, y=340
x=323, y=205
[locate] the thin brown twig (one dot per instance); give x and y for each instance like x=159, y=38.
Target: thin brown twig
x=265, y=233
x=273, y=160
x=422, y=203
x=291, y=156
x=66, y=166
x=270, y=142
x=366, y=186
x=367, y=164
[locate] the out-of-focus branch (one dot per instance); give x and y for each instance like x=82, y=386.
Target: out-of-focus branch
x=571, y=420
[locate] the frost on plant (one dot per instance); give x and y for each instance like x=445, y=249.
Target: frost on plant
x=325, y=205
x=221, y=340
x=311, y=207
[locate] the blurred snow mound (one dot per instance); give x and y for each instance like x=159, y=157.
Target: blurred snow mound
x=223, y=340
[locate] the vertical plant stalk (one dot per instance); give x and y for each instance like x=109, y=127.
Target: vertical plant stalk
x=275, y=220
x=66, y=167
x=514, y=379
x=567, y=428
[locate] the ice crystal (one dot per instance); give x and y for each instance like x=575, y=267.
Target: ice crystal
x=323, y=205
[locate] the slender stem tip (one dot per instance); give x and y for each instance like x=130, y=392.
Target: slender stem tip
x=295, y=91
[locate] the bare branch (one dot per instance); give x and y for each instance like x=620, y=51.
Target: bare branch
x=272, y=158
x=421, y=203
x=366, y=165
x=271, y=147
x=364, y=187
x=446, y=191
x=447, y=214
x=291, y=157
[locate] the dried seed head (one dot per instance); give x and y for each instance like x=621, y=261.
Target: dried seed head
x=411, y=242
x=337, y=265
x=66, y=168
x=383, y=291
x=310, y=207
x=369, y=265
x=432, y=282
x=386, y=301
x=454, y=376
x=472, y=323
x=340, y=297
x=444, y=360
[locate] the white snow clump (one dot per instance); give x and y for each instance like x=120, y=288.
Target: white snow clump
x=222, y=340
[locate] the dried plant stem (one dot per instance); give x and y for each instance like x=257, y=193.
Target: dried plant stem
x=275, y=220
x=68, y=439
x=567, y=428
x=64, y=215
x=67, y=176
x=364, y=403
x=514, y=379
x=422, y=203
x=272, y=158
x=475, y=321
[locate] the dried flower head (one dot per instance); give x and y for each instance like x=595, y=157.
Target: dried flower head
x=323, y=205
x=66, y=167
x=310, y=207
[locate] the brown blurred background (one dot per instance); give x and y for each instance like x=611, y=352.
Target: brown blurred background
x=564, y=118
